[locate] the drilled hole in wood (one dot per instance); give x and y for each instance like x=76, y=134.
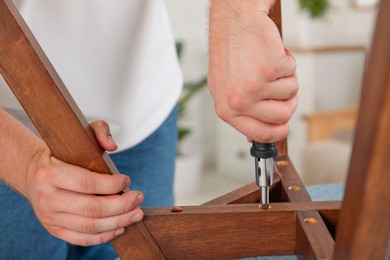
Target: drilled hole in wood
x=261, y=206
x=176, y=209
x=282, y=163
x=294, y=188
x=310, y=220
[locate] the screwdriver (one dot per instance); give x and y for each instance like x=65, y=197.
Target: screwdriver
x=264, y=168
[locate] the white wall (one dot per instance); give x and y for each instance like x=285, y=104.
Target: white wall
x=344, y=25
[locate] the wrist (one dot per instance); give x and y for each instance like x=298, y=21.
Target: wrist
x=244, y=6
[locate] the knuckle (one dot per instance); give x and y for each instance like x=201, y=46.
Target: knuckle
x=221, y=112
x=103, y=239
x=93, y=209
x=285, y=113
x=125, y=207
x=46, y=219
x=122, y=223
x=283, y=131
x=42, y=175
x=236, y=103
x=90, y=227
x=54, y=231
x=294, y=85
x=264, y=137
x=88, y=185
x=43, y=201
x=284, y=116
x=127, y=203
x=271, y=72
x=83, y=241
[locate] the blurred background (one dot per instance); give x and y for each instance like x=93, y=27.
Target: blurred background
x=330, y=41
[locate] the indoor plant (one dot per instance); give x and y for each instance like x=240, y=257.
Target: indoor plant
x=312, y=23
x=315, y=8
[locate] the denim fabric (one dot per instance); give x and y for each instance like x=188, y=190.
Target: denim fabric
x=150, y=165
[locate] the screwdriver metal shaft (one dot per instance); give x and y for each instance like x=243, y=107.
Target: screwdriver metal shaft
x=264, y=168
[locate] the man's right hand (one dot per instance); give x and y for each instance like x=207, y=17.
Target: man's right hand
x=251, y=74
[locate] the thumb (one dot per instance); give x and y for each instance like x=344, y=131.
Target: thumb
x=103, y=135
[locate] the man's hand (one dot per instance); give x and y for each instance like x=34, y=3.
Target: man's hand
x=251, y=74
x=63, y=197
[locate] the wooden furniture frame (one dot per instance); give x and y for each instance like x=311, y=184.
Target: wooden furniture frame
x=233, y=225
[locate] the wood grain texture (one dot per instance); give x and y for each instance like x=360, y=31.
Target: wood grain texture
x=224, y=236
x=51, y=108
x=128, y=246
x=364, y=226
x=292, y=187
x=330, y=218
x=313, y=241
x=275, y=13
x=313, y=238
x=246, y=208
x=228, y=231
x=249, y=193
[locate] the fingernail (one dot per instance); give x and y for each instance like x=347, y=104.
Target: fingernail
x=137, y=217
x=111, y=140
x=139, y=199
x=126, y=182
x=119, y=232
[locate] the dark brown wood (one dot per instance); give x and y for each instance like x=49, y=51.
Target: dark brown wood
x=364, y=226
x=249, y=193
x=313, y=238
x=127, y=246
x=224, y=236
x=276, y=14
x=44, y=97
x=246, y=194
x=228, y=231
x=325, y=206
x=330, y=218
x=292, y=187
x=313, y=241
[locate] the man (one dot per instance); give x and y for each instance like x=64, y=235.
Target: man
x=119, y=63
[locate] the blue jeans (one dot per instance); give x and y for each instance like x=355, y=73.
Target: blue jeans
x=150, y=166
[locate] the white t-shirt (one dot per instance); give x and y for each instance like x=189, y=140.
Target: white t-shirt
x=117, y=59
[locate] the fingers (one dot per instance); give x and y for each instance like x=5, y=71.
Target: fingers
x=286, y=66
x=90, y=226
x=103, y=135
x=258, y=131
x=63, y=198
x=276, y=112
x=77, y=179
x=95, y=206
x=84, y=239
x=98, y=225
x=281, y=89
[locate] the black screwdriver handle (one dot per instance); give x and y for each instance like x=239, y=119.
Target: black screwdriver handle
x=264, y=150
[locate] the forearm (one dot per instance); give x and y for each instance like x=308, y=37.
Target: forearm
x=235, y=25
x=237, y=6
x=19, y=148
